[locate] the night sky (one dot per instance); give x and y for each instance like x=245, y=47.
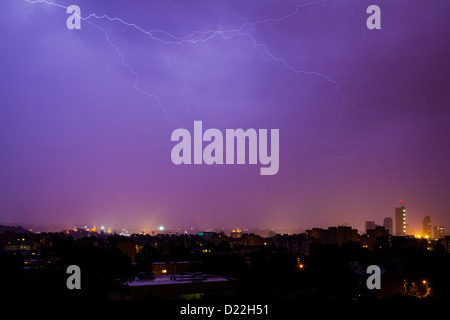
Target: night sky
x=86, y=115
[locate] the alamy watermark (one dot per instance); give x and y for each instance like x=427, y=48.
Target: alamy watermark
x=235, y=147
x=374, y=280
x=372, y=22
x=74, y=280
x=74, y=20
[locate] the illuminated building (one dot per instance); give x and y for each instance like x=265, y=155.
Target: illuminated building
x=426, y=227
x=236, y=233
x=170, y=268
x=400, y=220
x=438, y=232
x=315, y=233
x=337, y=235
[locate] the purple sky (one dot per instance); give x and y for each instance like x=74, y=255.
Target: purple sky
x=363, y=114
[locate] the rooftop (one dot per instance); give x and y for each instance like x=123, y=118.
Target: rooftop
x=177, y=279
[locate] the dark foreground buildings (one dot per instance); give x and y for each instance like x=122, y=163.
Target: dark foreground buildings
x=321, y=265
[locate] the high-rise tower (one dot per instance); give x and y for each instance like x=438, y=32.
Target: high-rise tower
x=426, y=226
x=400, y=220
x=387, y=224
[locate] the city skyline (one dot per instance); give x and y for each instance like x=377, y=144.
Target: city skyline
x=86, y=115
x=429, y=230
x=169, y=266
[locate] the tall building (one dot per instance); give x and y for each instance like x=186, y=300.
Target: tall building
x=400, y=220
x=426, y=226
x=438, y=232
x=370, y=225
x=387, y=224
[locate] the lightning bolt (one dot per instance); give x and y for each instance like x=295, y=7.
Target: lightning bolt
x=169, y=65
x=165, y=38
x=122, y=59
x=204, y=36
x=197, y=36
